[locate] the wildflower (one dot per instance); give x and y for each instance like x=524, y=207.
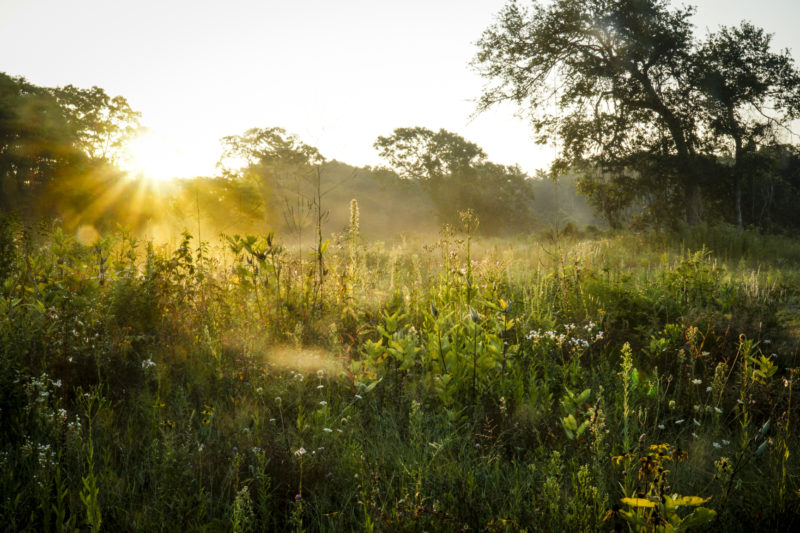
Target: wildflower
x=148, y=364
x=259, y=390
x=272, y=420
x=679, y=421
x=672, y=404
x=320, y=387
x=697, y=381
x=298, y=497
x=327, y=430
x=300, y=452
x=661, y=426
x=278, y=400
x=320, y=373
x=358, y=396
x=323, y=403
x=716, y=445
x=708, y=389
x=725, y=442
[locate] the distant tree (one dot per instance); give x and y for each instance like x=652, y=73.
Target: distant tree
x=750, y=95
x=264, y=147
x=101, y=124
x=422, y=154
x=287, y=172
x=457, y=176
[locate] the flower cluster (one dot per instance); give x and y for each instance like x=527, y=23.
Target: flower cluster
x=575, y=338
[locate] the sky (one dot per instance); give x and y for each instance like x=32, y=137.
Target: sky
x=337, y=73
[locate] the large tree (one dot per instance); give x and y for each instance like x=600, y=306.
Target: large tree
x=608, y=79
x=749, y=96
x=646, y=113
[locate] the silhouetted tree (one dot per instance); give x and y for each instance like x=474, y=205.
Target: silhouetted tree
x=749, y=95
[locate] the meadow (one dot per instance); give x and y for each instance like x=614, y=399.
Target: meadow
x=566, y=381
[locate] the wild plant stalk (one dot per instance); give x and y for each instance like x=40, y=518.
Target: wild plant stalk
x=474, y=317
x=469, y=223
x=90, y=493
x=626, y=368
x=321, y=246
x=353, y=240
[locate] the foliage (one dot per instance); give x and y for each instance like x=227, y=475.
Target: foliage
x=441, y=387
x=457, y=176
x=642, y=110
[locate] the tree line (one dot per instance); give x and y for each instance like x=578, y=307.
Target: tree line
x=61, y=149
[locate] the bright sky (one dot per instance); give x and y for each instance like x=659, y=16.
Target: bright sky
x=338, y=73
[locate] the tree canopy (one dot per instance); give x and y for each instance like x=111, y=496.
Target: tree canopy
x=58, y=139
x=633, y=99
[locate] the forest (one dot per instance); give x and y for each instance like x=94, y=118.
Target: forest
x=437, y=343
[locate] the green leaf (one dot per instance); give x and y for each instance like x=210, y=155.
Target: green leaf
x=583, y=396
x=698, y=517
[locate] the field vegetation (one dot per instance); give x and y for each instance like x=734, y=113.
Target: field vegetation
x=456, y=383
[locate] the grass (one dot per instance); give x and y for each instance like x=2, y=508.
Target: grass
x=442, y=383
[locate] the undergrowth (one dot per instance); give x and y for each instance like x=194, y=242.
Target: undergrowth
x=445, y=384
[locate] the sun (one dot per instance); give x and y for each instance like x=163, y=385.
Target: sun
x=154, y=157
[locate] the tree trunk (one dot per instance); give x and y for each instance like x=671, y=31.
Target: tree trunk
x=694, y=204
x=737, y=177
x=737, y=195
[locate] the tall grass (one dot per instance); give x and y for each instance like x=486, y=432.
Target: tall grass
x=439, y=383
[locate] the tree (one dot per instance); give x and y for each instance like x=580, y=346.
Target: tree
x=282, y=167
x=457, y=176
x=288, y=170
x=644, y=111
x=101, y=124
x=36, y=143
x=749, y=94
x=422, y=154
x=608, y=78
